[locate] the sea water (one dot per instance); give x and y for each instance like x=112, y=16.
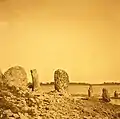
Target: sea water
x=83, y=89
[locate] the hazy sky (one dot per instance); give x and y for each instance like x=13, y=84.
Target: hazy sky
x=79, y=36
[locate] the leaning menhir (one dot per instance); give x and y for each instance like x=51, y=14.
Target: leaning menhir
x=1, y=74
x=35, y=80
x=1, y=79
x=61, y=81
x=16, y=76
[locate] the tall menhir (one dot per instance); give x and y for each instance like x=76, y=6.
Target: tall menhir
x=35, y=80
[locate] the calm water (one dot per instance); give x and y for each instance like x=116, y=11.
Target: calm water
x=82, y=89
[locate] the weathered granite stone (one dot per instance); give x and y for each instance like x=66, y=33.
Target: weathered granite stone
x=16, y=76
x=105, y=95
x=35, y=80
x=61, y=80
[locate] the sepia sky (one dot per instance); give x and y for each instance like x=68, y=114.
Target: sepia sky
x=79, y=36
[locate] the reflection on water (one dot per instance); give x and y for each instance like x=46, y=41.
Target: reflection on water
x=115, y=101
x=83, y=89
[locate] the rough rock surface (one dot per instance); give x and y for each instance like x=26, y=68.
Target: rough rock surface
x=18, y=104
x=16, y=76
x=61, y=80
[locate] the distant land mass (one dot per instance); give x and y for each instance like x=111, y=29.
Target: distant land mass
x=76, y=83
x=82, y=83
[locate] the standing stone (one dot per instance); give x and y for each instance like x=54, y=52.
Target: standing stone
x=1, y=74
x=61, y=80
x=90, y=91
x=16, y=76
x=1, y=79
x=105, y=95
x=35, y=80
x=115, y=94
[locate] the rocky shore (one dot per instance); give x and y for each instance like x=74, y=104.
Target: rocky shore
x=18, y=104
x=25, y=103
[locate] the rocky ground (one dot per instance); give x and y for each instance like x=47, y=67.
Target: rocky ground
x=16, y=103
x=19, y=101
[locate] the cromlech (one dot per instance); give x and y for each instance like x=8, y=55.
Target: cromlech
x=20, y=102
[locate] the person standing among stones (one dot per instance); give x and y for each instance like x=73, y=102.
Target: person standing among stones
x=105, y=95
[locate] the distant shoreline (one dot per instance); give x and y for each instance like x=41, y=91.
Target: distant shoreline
x=52, y=83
